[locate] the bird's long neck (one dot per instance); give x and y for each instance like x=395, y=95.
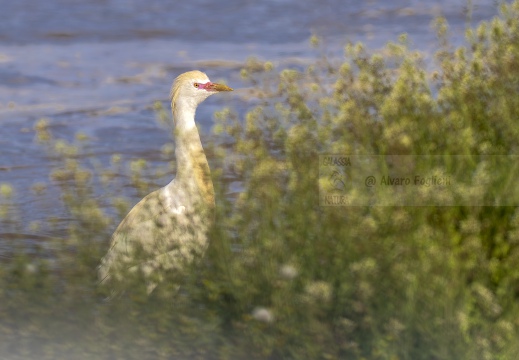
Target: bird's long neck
x=192, y=166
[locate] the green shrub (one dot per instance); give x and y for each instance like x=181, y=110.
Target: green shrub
x=285, y=277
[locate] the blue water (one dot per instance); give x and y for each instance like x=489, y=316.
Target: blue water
x=97, y=66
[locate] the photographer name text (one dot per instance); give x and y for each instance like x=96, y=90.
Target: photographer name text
x=417, y=180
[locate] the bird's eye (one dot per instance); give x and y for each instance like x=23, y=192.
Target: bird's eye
x=196, y=85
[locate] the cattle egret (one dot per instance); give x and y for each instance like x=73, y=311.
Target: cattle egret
x=167, y=230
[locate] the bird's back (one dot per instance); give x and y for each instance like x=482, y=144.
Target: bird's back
x=160, y=233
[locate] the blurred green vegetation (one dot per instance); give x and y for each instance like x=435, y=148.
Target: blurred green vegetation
x=283, y=277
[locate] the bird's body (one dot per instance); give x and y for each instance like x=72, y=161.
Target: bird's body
x=167, y=229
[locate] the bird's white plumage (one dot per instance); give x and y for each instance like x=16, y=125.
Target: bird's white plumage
x=167, y=230
x=179, y=210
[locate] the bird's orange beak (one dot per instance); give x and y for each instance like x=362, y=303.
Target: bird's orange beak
x=217, y=87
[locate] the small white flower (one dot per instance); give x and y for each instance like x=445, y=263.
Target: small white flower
x=30, y=268
x=319, y=291
x=288, y=272
x=263, y=314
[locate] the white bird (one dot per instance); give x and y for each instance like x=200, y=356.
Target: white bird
x=167, y=229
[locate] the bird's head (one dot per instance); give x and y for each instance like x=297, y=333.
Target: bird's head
x=193, y=87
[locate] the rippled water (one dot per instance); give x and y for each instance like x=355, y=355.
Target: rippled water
x=97, y=66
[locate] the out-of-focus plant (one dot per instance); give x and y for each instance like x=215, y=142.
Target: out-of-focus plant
x=283, y=276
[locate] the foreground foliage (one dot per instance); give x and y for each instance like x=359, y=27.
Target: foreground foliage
x=285, y=277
